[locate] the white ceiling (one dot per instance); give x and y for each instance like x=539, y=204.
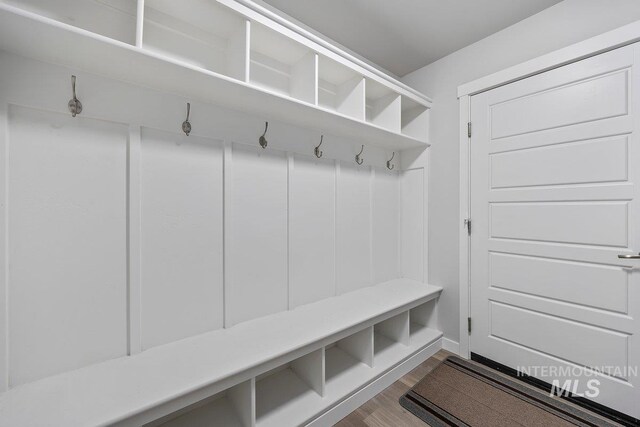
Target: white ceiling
x=404, y=35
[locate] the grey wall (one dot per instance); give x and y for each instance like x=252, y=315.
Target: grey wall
x=566, y=23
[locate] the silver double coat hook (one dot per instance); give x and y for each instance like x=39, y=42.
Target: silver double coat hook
x=359, y=159
x=317, y=151
x=263, y=140
x=389, y=165
x=186, y=125
x=75, y=106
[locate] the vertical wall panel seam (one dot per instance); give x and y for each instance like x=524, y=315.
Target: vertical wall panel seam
x=290, y=166
x=4, y=194
x=336, y=210
x=128, y=262
x=398, y=202
x=425, y=228
x=335, y=227
x=372, y=178
x=226, y=232
x=400, y=222
x=134, y=244
x=424, y=219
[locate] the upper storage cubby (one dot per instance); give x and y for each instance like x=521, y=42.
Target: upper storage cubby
x=383, y=106
x=282, y=65
x=415, y=119
x=340, y=89
x=115, y=19
x=205, y=34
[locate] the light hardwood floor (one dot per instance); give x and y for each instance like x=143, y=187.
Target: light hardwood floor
x=384, y=409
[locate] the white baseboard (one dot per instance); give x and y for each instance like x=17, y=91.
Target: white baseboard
x=351, y=403
x=450, y=345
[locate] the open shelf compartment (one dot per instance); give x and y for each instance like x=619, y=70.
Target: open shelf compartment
x=348, y=363
x=290, y=394
x=415, y=119
x=231, y=408
x=283, y=66
x=383, y=106
x=391, y=337
x=340, y=89
x=422, y=320
x=115, y=19
x=205, y=34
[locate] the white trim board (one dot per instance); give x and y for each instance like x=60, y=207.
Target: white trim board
x=610, y=40
x=450, y=345
x=464, y=279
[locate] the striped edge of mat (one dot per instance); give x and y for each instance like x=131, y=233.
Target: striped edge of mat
x=437, y=416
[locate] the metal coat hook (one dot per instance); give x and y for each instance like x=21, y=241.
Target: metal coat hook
x=317, y=151
x=389, y=165
x=262, y=140
x=359, y=159
x=75, y=106
x=186, y=125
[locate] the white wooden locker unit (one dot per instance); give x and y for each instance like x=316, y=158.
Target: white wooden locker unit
x=155, y=277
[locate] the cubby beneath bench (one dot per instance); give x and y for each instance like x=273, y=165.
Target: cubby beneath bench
x=230, y=408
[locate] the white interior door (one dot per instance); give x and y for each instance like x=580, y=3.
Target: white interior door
x=555, y=171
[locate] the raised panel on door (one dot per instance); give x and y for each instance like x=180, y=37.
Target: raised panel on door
x=554, y=200
x=67, y=278
x=181, y=236
x=353, y=228
x=595, y=98
x=312, y=257
x=386, y=225
x=562, y=280
x=256, y=245
x=587, y=223
x=575, y=342
x=592, y=161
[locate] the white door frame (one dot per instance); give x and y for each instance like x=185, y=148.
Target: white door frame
x=619, y=37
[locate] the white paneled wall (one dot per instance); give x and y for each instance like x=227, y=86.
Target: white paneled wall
x=353, y=227
x=123, y=234
x=67, y=275
x=181, y=261
x=312, y=229
x=385, y=225
x=412, y=224
x=256, y=267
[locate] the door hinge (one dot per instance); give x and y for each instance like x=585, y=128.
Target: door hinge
x=469, y=129
x=469, y=325
x=467, y=224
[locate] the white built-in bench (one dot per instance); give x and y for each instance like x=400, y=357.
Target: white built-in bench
x=312, y=365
